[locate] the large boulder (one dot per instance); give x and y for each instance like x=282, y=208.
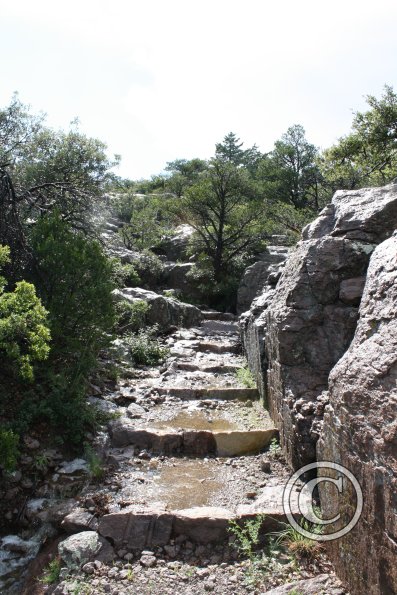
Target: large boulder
x=164, y=311
x=296, y=332
x=360, y=433
x=175, y=275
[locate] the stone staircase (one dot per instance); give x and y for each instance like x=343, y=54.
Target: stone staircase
x=188, y=448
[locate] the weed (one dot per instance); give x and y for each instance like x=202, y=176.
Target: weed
x=299, y=545
x=130, y=573
x=94, y=462
x=247, y=535
x=52, y=572
x=274, y=448
x=244, y=375
x=40, y=463
x=8, y=449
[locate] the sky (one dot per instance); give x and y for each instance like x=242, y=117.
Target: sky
x=159, y=80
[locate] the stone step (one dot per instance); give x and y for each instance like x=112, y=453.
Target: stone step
x=137, y=528
x=215, y=315
x=217, y=347
x=196, y=443
x=208, y=369
x=221, y=393
x=216, y=327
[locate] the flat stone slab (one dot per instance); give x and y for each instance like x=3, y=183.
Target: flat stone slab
x=238, y=442
x=190, y=442
x=137, y=529
x=203, y=524
x=321, y=584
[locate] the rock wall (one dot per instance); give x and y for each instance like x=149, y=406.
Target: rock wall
x=296, y=332
x=360, y=432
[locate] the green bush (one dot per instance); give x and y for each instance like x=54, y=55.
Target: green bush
x=149, y=268
x=8, y=449
x=145, y=349
x=75, y=283
x=131, y=316
x=24, y=336
x=124, y=275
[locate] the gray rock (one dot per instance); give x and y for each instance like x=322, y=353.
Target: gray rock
x=176, y=276
x=87, y=546
x=76, y=466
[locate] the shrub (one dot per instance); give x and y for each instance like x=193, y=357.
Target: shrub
x=145, y=349
x=76, y=288
x=247, y=534
x=24, y=336
x=149, y=268
x=124, y=275
x=131, y=316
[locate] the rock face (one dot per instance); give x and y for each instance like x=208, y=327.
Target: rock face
x=295, y=333
x=360, y=432
x=257, y=276
x=164, y=311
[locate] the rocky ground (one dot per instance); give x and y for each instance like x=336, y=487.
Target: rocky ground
x=190, y=451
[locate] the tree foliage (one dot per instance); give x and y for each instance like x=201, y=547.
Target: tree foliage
x=289, y=173
x=367, y=156
x=222, y=209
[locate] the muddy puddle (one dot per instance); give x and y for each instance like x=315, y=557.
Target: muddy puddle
x=191, y=483
x=187, y=483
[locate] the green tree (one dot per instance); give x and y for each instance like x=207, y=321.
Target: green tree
x=222, y=209
x=230, y=151
x=183, y=173
x=289, y=174
x=368, y=154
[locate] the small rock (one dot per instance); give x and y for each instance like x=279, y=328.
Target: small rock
x=89, y=568
x=265, y=466
x=148, y=561
x=31, y=443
